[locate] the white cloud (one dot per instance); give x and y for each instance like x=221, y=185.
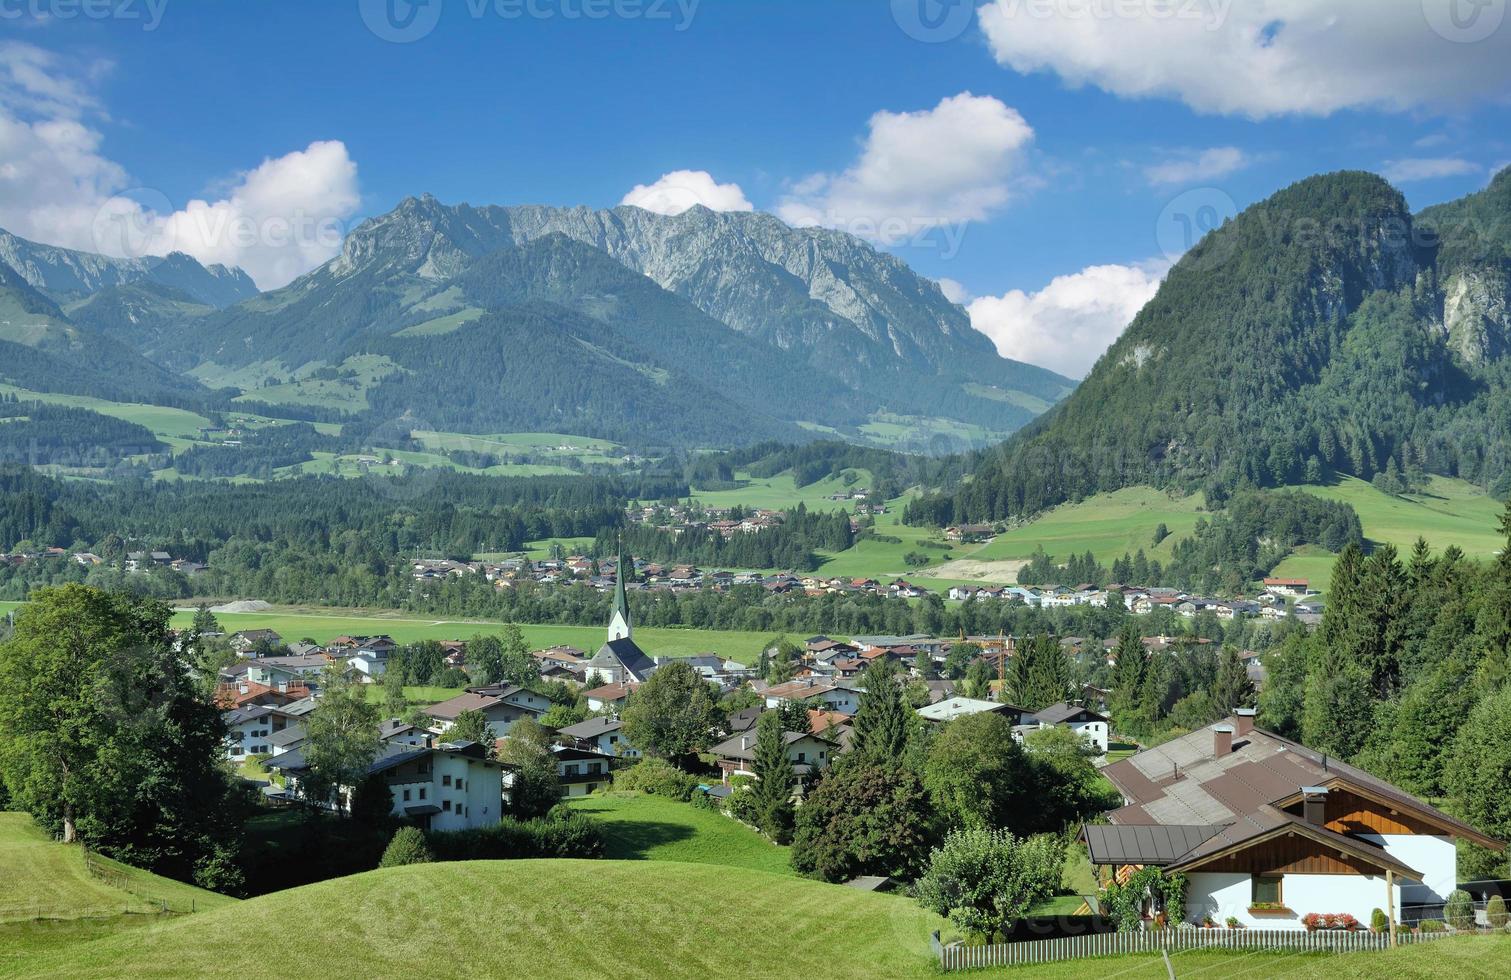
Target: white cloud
x=1069, y=323
x=679, y=190
x=1262, y=58
x=1191, y=167
x=953, y=163
x=1426, y=168
x=954, y=291
x=276, y=221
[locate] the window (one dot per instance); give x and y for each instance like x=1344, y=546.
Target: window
x=422, y=792
x=802, y=757
x=445, y=780
x=1266, y=890
x=406, y=796
x=446, y=805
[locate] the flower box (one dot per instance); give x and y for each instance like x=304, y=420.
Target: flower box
x=1270, y=911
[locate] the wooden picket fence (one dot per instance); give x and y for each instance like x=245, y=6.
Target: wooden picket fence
x=1170, y=941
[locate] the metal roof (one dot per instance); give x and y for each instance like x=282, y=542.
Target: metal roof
x=1146, y=844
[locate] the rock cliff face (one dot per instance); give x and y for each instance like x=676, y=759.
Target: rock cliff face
x=853, y=309
x=1475, y=315
x=65, y=274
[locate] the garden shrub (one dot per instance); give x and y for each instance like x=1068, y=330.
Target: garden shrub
x=407, y=847
x=1431, y=925
x=657, y=777
x=576, y=836
x=1495, y=912
x=1459, y=912
x=1378, y=921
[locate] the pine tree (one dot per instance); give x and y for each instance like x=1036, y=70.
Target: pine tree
x=882, y=721
x=1128, y=680
x=1049, y=680
x=1232, y=687
x=774, y=779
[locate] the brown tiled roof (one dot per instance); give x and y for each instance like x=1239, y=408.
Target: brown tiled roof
x=1268, y=821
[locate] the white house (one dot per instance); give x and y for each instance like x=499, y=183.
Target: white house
x=365, y=666
x=580, y=771
x=835, y=696
x=248, y=730
x=445, y=787
x=1268, y=831
x=602, y=735
x=1078, y=718
x=958, y=707
x=501, y=704
x=809, y=753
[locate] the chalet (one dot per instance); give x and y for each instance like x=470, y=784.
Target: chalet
x=1286, y=587
x=968, y=532
x=1266, y=830
x=281, y=672
x=958, y=707
x=609, y=697
x=248, y=730
x=580, y=771
x=834, y=695
x=602, y=735
x=1088, y=724
x=246, y=641
x=809, y=753
x=445, y=787
x=501, y=704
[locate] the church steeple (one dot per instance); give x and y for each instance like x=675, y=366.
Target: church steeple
x=619, y=623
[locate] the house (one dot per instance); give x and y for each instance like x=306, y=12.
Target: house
x=968, y=532
x=444, y=787
x=244, y=642
x=249, y=728
x=280, y=672
x=1267, y=830
x=501, y=704
x=287, y=740
x=1286, y=587
x=1088, y=724
x=580, y=771
x=609, y=697
x=809, y=753
x=744, y=720
x=833, y=695
x=951, y=708
x=365, y=667
x=602, y=735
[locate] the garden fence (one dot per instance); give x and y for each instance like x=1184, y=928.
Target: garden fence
x=1170, y=941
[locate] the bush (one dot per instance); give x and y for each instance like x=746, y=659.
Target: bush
x=574, y=837
x=986, y=880
x=1430, y=925
x=1495, y=912
x=657, y=777
x=407, y=847
x=1378, y=922
x=1459, y=912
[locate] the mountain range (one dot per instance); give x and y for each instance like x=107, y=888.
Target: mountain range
x=702, y=328
x=1324, y=330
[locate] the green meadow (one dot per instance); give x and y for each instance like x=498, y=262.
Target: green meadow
x=653, y=828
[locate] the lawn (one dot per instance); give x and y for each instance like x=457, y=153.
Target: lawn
x=781, y=492
x=1448, y=512
x=1108, y=525
x=42, y=878
x=297, y=623
x=431, y=695
x=654, y=828
x=550, y=918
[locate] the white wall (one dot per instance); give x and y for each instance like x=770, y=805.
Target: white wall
x=1221, y=894
x=1435, y=857
x=1094, y=732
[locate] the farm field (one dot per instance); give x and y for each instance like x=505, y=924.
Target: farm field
x=654, y=828
x=297, y=623
x=781, y=491
x=1108, y=525
x=1449, y=512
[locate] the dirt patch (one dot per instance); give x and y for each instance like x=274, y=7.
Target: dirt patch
x=243, y=606
x=995, y=572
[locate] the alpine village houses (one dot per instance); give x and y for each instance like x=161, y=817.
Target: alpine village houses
x=1268, y=831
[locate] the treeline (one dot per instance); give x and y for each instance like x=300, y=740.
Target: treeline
x=1409, y=676
x=792, y=544
x=1225, y=552
x=39, y=434
x=260, y=453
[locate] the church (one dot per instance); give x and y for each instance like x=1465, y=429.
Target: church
x=620, y=660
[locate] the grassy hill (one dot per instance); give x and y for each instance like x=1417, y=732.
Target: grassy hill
x=533, y=918
x=653, y=828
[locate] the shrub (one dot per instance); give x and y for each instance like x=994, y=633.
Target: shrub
x=1495, y=912
x=657, y=777
x=986, y=880
x=1431, y=925
x=1233, y=922
x=407, y=847
x=1378, y=921
x=1460, y=910
x=543, y=837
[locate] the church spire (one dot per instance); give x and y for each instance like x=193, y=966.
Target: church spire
x=619, y=623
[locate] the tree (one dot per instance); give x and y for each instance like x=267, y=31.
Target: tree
x=1232, y=687
x=341, y=739
x=978, y=680
x=535, y=785
x=882, y=721
x=958, y=660
x=1066, y=784
x=106, y=738
x=783, y=661
x=485, y=654
x=472, y=726
x=976, y=773
x=1128, y=682
x=1477, y=774
x=673, y=714
x=774, y=779
x=863, y=819
x=985, y=880
x=408, y=846
x=204, y=620
x=516, y=664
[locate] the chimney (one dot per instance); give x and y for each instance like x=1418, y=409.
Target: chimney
x=1314, y=805
x=1222, y=740
x=1245, y=718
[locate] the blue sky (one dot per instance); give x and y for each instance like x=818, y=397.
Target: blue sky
x=1038, y=154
